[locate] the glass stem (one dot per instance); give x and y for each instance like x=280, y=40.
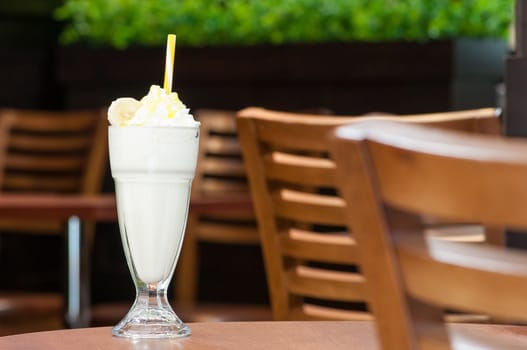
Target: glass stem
x=151, y=296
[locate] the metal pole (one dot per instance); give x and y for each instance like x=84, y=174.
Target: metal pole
x=78, y=291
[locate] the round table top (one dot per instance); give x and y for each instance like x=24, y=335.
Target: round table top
x=334, y=335
x=207, y=336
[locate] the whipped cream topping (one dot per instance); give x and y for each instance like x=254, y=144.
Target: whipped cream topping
x=157, y=108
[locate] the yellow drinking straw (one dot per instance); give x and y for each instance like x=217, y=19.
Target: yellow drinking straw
x=169, y=64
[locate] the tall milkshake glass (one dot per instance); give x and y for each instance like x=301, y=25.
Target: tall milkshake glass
x=152, y=168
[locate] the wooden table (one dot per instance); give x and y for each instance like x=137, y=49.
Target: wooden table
x=326, y=335
x=75, y=208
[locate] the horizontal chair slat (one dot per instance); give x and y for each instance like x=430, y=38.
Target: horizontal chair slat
x=328, y=247
x=320, y=209
x=44, y=227
x=435, y=276
x=77, y=122
x=309, y=312
x=217, y=120
x=43, y=162
x=325, y=284
x=301, y=135
x=223, y=145
x=41, y=183
x=49, y=143
x=227, y=234
x=219, y=185
x=300, y=169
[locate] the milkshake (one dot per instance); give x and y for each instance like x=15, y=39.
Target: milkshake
x=153, y=146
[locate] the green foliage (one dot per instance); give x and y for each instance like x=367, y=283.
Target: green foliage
x=121, y=23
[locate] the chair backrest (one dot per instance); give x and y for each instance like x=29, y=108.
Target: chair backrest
x=51, y=152
x=309, y=257
x=400, y=173
x=221, y=173
x=220, y=166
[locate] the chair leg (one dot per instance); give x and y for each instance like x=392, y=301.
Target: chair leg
x=186, y=279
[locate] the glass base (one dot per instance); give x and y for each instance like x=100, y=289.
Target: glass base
x=153, y=323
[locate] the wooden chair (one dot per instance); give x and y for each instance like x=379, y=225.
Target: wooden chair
x=47, y=152
x=310, y=259
x=220, y=173
x=400, y=173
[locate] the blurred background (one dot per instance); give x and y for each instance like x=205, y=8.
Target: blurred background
x=348, y=56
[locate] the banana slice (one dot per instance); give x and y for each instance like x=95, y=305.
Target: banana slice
x=122, y=110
